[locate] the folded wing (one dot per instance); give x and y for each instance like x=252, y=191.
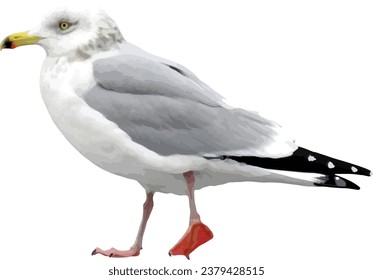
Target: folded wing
x=164, y=107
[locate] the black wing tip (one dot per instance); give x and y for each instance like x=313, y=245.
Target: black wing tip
x=358, y=170
x=332, y=181
x=302, y=160
x=367, y=173
x=331, y=165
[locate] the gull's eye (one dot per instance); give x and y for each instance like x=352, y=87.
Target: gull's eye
x=64, y=25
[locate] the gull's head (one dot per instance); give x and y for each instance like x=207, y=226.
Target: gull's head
x=70, y=32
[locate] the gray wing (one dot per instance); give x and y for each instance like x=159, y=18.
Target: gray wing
x=138, y=72
x=170, y=113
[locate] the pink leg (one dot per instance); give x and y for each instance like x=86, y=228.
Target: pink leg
x=137, y=246
x=197, y=232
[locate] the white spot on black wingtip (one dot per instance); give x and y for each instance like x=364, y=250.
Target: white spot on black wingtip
x=311, y=158
x=354, y=169
x=337, y=178
x=330, y=165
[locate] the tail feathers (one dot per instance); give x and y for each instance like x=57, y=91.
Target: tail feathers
x=303, y=160
x=332, y=181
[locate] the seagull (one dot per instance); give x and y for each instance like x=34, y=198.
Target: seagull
x=150, y=119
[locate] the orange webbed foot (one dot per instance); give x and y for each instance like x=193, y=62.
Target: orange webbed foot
x=196, y=235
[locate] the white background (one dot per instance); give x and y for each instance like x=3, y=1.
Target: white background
x=307, y=65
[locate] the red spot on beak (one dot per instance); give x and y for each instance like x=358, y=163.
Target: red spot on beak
x=13, y=46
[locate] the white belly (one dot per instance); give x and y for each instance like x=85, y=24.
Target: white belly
x=84, y=128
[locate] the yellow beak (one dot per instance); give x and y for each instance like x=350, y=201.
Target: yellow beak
x=19, y=39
